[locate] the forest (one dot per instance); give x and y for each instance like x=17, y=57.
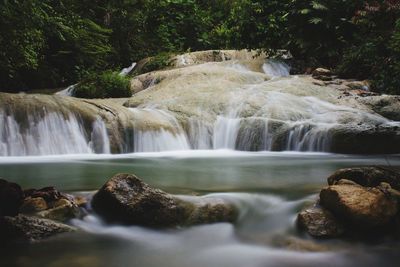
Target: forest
x=52, y=44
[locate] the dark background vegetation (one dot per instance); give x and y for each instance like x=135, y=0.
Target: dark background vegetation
x=50, y=44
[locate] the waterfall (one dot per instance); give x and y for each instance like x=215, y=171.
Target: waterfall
x=50, y=134
x=69, y=91
x=276, y=68
x=305, y=137
x=158, y=131
x=127, y=70
x=99, y=141
x=200, y=134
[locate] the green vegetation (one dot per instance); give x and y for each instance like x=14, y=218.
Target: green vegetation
x=56, y=43
x=105, y=85
x=157, y=62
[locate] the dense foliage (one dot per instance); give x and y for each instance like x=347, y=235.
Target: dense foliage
x=48, y=43
x=105, y=85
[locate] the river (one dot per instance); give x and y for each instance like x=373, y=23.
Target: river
x=268, y=187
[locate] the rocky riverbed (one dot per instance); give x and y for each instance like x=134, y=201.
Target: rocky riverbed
x=360, y=202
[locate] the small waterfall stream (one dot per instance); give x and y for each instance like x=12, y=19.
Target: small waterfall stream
x=51, y=134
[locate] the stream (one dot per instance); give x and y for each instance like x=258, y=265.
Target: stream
x=269, y=188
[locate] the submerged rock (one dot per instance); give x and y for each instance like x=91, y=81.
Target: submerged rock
x=11, y=197
x=320, y=223
x=369, y=176
x=126, y=199
x=24, y=228
x=359, y=206
x=301, y=245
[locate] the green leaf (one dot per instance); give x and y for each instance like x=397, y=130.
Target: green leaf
x=318, y=6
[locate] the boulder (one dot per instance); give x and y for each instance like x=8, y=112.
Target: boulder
x=359, y=206
x=365, y=139
x=24, y=228
x=319, y=223
x=127, y=199
x=11, y=197
x=369, y=176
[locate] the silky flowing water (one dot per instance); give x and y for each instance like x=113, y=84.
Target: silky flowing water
x=269, y=189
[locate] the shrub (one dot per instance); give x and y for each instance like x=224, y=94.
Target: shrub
x=157, y=62
x=105, y=85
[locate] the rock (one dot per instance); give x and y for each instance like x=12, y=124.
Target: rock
x=320, y=223
x=358, y=85
x=62, y=202
x=80, y=201
x=345, y=182
x=386, y=105
x=33, y=204
x=362, y=207
x=322, y=74
x=365, y=139
x=208, y=210
x=301, y=245
x=61, y=212
x=126, y=199
x=50, y=194
x=24, y=228
x=11, y=197
x=370, y=176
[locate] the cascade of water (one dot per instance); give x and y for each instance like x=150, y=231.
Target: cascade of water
x=69, y=91
x=127, y=70
x=199, y=134
x=159, y=131
x=50, y=134
x=99, y=141
x=225, y=132
x=276, y=68
x=306, y=137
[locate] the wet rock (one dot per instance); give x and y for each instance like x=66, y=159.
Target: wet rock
x=320, y=223
x=126, y=199
x=369, y=176
x=297, y=244
x=33, y=204
x=362, y=207
x=358, y=85
x=208, y=210
x=24, y=228
x=386, y=105
x=63, y=211
x=11, y=197
x=49, y=194
x=365, y=139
